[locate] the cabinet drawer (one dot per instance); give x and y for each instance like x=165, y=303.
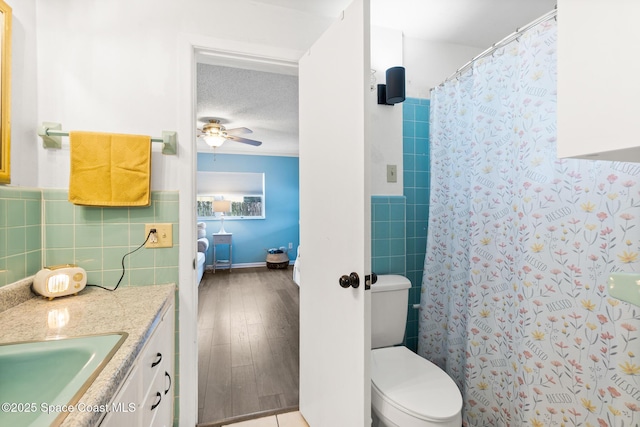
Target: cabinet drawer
x=157, y=409
x=151, y=362
x=159, y=351
x=154, y=401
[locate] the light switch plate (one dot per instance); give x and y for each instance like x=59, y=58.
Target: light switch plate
x=392, y=173
x=625, y=287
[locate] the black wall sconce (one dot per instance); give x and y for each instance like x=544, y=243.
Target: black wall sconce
x=394, y=91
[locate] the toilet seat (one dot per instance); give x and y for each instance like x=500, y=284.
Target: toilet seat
x=413, y=385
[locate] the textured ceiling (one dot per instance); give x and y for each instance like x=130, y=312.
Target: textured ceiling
x=267, y=102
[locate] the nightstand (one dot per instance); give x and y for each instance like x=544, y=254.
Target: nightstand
x=222, y=239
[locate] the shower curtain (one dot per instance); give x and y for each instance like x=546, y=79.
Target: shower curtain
x=520, y=244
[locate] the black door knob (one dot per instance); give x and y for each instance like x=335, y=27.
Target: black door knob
x=352, y=280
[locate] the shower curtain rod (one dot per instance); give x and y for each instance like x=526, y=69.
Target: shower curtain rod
x=505, y=41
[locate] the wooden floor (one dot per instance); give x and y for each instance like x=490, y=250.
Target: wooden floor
x=248, y=343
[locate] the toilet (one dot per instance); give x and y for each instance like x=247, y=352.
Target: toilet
x=406, y=389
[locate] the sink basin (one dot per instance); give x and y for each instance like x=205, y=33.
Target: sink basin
x=34, y=376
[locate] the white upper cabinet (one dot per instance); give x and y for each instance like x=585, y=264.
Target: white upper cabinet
x=599, y=79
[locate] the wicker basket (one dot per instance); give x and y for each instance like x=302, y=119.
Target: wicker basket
x=279, y=260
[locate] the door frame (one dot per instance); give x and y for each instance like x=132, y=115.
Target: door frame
x=188, y=47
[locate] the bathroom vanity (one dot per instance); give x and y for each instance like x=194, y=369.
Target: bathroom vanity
x=146, y=396
x=135, y=386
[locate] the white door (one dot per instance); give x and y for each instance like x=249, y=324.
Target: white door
x=335, y=224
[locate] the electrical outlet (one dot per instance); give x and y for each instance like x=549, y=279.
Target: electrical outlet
x=163, y=237
x=290, y=245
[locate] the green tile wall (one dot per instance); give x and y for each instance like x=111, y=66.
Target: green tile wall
x=40, y=227
x=97, y=239
x=20, y=233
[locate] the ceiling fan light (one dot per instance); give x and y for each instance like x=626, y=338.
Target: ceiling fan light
x=214, y=140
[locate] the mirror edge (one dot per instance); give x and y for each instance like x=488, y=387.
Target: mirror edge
x=5, y=90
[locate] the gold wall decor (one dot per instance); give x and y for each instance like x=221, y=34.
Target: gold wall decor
x=5, y=93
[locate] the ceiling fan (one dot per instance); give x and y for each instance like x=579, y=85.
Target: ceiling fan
x=215, y=134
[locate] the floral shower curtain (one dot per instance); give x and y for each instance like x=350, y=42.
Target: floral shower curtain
x=520, y=244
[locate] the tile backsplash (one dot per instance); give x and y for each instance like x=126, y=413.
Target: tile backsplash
x=40, y=227
x=20, y=233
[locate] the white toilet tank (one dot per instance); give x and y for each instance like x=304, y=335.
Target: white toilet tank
x=389, y=304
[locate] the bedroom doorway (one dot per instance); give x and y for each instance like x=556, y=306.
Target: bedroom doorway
x=248, y=319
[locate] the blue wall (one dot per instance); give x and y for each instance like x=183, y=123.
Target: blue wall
x=252, y=237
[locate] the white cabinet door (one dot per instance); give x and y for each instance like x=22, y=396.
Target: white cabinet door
x=158, y=369
x=164, y=417
x=125, y=407
x=598, y=87
x=335, y=224
x=146, y=397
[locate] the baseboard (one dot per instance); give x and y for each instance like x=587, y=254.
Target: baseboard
x=244, y=265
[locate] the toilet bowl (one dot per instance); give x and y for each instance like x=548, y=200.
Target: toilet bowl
x=406, y=389
x=409, y=391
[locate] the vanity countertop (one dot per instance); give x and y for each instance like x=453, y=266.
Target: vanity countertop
x=134, y=310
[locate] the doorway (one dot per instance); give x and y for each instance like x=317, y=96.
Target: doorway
x=336, y=126
x=248, y=326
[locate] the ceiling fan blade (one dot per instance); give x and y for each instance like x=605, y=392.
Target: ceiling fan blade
x=244, y=140
x=237, y=131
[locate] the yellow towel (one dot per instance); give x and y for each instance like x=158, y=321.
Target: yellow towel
x=110, y=169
